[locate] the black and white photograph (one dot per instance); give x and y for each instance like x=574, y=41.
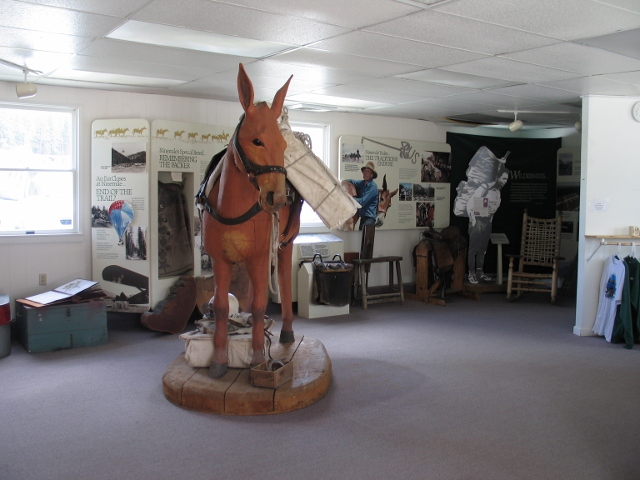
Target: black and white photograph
x=436, y=167
x=423, y=193
x=353, y=153
x=406, y=192
x=136, y=243
x=425, y=212
x=129, y=157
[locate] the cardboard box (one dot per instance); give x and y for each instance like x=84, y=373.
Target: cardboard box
x=61, y=326
x=261, y=376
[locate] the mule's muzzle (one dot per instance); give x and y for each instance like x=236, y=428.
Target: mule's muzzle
x=272, y=201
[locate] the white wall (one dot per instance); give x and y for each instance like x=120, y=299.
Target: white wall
x=610, y=173
x=21, y=260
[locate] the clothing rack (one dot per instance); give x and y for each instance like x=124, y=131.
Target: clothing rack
x=603, y=241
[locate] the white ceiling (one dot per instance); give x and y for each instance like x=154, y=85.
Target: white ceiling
x=462, y=59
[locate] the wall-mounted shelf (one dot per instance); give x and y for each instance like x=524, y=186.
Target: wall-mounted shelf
x=607, y=240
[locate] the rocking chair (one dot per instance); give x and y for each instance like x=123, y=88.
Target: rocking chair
x=538, y=260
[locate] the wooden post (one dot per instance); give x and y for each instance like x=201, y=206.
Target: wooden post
x=422, y=271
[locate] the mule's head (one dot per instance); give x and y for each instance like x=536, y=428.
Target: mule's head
x=384, y=202
x=262, y=143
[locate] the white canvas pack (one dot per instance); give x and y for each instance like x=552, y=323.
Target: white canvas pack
x=199, y=349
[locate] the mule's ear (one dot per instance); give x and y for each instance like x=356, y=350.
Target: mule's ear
x=245, y=89
x=384, y=182
x=278, y=100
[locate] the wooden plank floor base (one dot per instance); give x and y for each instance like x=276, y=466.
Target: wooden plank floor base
x=192, y=389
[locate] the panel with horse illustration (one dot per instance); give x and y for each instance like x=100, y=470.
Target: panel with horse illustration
x=400, y=184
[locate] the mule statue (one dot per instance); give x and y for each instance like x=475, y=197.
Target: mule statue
x=248, y=207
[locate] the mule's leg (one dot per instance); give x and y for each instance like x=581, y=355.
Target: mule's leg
x=222, y=274
x=286, y=306
x=259, y=277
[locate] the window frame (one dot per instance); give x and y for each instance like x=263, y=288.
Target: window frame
x=53, y=235
x=319, y=226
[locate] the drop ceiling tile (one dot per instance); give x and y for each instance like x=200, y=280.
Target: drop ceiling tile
x=297, y=85
x=627, y=77
x=311, y=57
x=138, y=52
x=141, y=69
x=42, y=41
x=595, y=86
x=43, y=61
x=357, y=91
x=411, y=87
x=271, y=67
x=54, y=20
x=457, y=79
x=538, y=92
x=335, y=12
x=339, y=102
x=566, y=19
x=423, y=110
x=100, y=86
x=383, y=47
x=495, y=100
x=625, y=43
x=576, y=58
x=206, y=89
x=237, y=21
x=454, y=31
x=506, y=69
x=430, y=109
x=115, y=8
x=631, y=5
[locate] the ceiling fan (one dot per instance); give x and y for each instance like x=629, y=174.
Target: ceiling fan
x=499, y=122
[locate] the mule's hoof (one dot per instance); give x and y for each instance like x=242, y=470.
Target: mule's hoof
x=218, y=370
x=286, y=337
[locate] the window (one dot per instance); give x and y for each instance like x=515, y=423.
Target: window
x=38, y=170
x=319, y=138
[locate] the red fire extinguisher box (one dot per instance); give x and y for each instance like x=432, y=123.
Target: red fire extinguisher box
x=5, y=326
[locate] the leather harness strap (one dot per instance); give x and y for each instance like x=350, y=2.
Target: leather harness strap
x=252, y=169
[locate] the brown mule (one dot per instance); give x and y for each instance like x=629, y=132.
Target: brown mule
x=242, y=204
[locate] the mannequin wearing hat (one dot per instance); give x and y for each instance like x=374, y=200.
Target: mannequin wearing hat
x=367, y=195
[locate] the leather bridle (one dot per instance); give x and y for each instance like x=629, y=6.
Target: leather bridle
x=252, y=169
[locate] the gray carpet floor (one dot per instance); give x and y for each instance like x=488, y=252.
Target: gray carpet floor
x=472, y=390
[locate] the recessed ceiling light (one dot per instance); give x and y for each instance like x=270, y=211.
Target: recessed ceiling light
x=168, y=36
x=115, y=78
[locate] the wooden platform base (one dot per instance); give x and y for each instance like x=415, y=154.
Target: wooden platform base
x=192, y=389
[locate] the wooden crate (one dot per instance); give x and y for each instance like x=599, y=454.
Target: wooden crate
x=61, y=326
x=261, y=376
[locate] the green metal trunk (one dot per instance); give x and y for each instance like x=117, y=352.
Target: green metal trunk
x=56, y=327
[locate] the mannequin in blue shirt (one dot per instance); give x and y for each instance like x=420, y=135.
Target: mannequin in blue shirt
x=367, y=195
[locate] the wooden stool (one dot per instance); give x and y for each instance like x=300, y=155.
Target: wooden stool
x=362, y=266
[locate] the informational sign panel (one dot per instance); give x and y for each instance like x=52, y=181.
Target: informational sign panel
x=120, y=211
x=180, y=154
x=415, y=174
